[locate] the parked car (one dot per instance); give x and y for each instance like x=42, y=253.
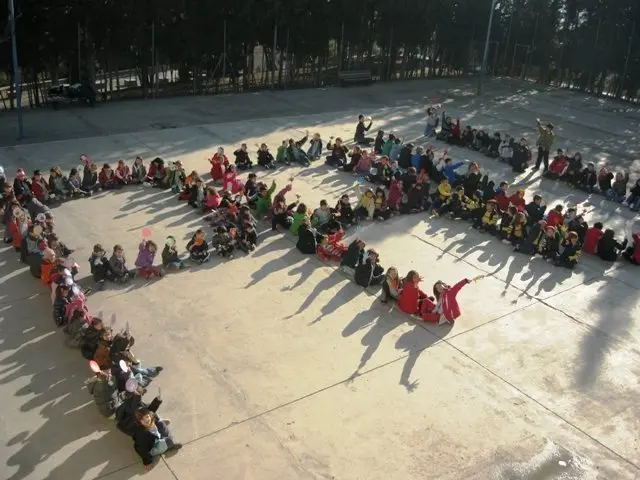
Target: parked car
x=67, y=94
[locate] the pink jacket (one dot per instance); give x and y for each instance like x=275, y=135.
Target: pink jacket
x=448, y=302
x=395, y=195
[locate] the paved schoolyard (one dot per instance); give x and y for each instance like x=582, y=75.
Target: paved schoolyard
x=278, y=367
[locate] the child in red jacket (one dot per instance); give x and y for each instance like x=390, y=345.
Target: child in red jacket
x=412, y=300
x=219, y=164
x=591, y=239
x=447, y=309
x=555, y=217
x=331, y=248
x=558, y=166
x=518, y=201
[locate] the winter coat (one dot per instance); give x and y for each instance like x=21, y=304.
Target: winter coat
x=315, y=149
x=306, y=240
x=145, y=257
x=395, y=195
x=89, y=177
x=75, y=331
x=535, y=212
x=169, y=255
x=366, y=271
x=105, y=395
x=40, y=189
x=409, y=298
x=219, y=163
x=591, y=239
x=361, y=129
x=554, y=218
x=448, y=303
x=353, y=256
x=126, y=412
x=558, y=165
x=546, y=137
x=117, y=265
x=138, y=173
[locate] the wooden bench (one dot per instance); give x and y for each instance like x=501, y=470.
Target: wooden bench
x=354, y=77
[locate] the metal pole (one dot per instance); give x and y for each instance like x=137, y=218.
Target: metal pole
x=486, y=48
x=17, y=82
x=79, y=54
x=341, y=48
x=153, y=58
x=390, y=51
x=224, y=47
x=626, y=61
x=273, y=56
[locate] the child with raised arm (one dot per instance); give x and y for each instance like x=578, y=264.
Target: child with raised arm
x=446, y=309
x=146, y=255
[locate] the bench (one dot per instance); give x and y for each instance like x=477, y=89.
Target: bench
x=354, y=77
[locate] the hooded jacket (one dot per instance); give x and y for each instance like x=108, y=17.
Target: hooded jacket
x=145, y=257
x=448, y=303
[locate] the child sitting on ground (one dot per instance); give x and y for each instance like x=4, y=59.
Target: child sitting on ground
x=265, y=159
x=412, y=300
x=381, y=209
x=75, y=184
x=487, y=219
x=391, y=286
x=378, y=143
x=571, y=252
x=243, y=162
x=282, y=214
x=344, y=209
x=366, y=204
x=323, y=219
x=107, y=179
x=301, y=214
x=58, y=183
x=314, y=151
x=99, y=266
x=308, y=238
x=354, y=256
x=118, y=265
x=122, y=173
x=281, y=154
x=90, y=178
x=223, y=242
x=196, y=195
x=618, y=190
x=330, y=247
x=170, y=257
x=138, y=171
x=369, y=272
x=198, y=248
x=146, y=255
x=219, y=163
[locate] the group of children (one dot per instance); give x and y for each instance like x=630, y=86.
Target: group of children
x=402, y=175
x=572, y=170
x=119, y=380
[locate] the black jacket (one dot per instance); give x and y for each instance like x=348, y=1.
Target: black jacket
x=608, y=248
x=404, y=158
x=588, y=178
x=306, y=240
x=126, y=413
x=535, y=212
x=353, y=256
x=360, y=131
x=144, y=441
x=365, y=271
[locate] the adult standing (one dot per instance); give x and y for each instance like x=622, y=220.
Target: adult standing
x=545, y=141
x=361, y=129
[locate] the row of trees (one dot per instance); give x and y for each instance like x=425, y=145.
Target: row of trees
x=177, y=45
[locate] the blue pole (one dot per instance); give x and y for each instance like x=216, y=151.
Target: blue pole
x=17, y=83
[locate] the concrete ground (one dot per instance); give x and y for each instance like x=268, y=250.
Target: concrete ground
x=537, y=380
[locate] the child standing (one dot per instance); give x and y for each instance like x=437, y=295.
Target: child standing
x=198, y=247
x=146, y=255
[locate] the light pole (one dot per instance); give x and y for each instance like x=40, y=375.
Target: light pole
x=17, y=82
x=486, y=48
